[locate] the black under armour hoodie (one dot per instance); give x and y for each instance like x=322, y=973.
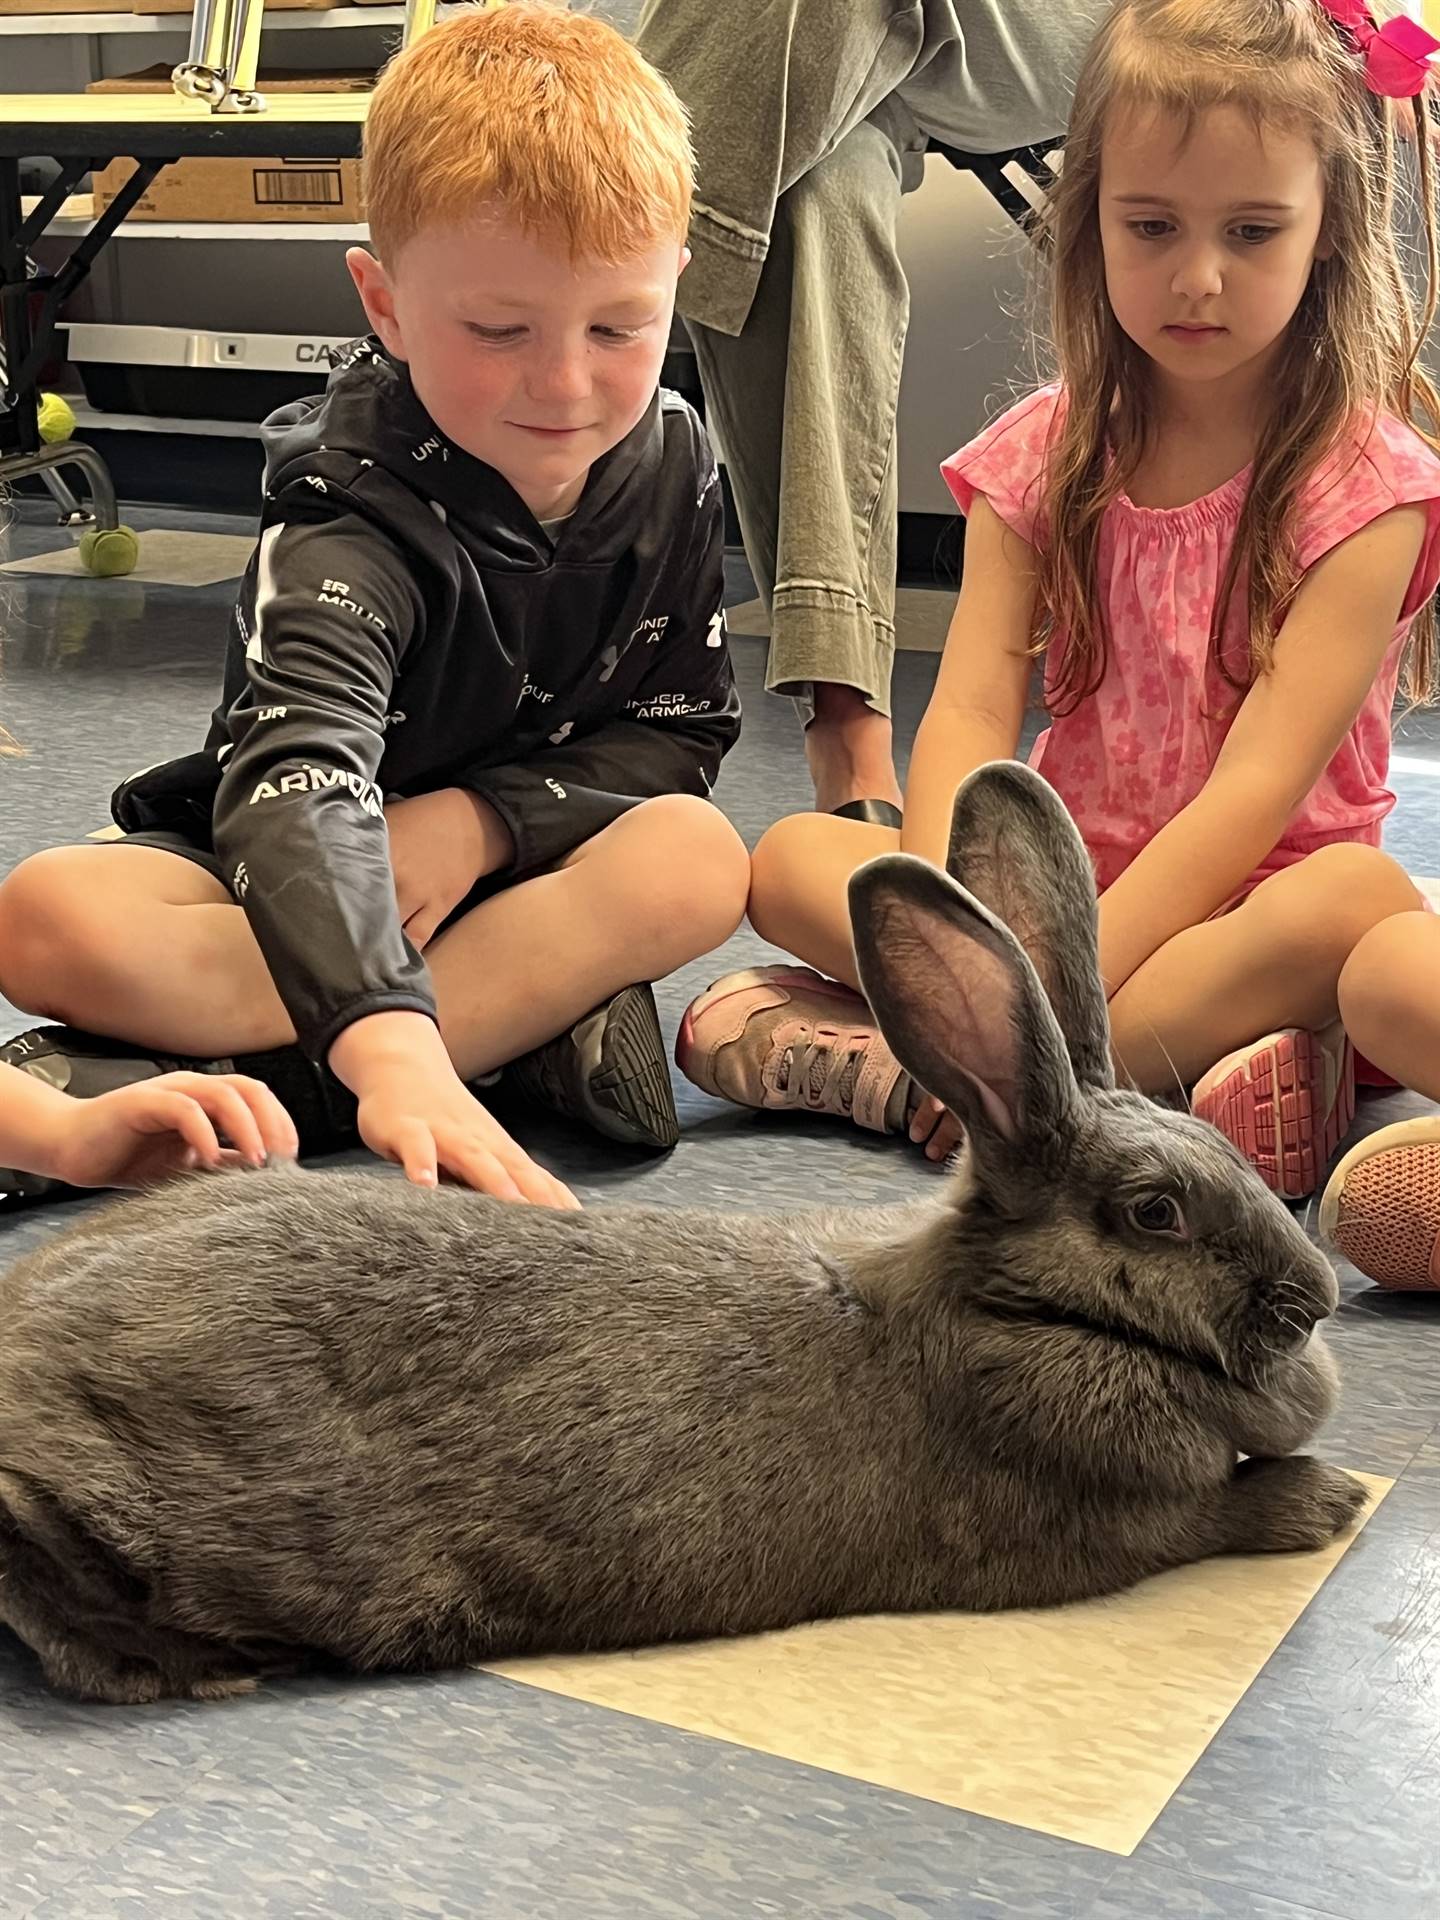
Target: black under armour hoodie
x=405, y=625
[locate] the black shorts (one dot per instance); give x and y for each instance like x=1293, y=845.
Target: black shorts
x=206, y=858
x=168, y=842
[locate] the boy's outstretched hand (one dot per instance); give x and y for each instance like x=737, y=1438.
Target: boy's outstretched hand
x=416, y=1111
x=147, y=1132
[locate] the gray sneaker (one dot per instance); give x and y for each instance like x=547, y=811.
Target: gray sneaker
x=611, y=1071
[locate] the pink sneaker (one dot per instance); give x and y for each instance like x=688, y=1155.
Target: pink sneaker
x=1286, y=1102
x=777, y=1037
x=1382, y=1206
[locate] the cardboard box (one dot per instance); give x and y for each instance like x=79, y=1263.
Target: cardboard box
x=235, y=190
x=323, y=191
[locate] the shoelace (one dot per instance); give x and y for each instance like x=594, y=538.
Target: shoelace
x=821, y=1074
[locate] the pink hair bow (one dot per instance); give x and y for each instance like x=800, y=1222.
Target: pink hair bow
x=1397, y=55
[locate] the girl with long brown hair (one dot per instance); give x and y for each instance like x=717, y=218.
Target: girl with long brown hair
x=1220, y=528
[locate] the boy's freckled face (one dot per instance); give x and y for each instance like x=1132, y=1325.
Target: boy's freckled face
x=533, y=362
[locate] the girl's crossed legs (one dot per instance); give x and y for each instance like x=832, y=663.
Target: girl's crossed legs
x=1305, y=944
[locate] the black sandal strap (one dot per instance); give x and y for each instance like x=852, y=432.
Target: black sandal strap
x=874, y=813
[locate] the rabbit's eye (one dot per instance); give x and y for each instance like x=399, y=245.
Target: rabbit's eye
x=1157, y=1214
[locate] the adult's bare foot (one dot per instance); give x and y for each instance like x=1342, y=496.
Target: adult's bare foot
x=850, y=749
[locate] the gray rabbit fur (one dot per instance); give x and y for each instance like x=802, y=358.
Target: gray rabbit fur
x=259, y=1417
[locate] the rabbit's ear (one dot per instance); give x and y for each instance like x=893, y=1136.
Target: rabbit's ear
x=958, y=1001
x=1013, y=845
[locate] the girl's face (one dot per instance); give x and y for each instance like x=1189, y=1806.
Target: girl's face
x=1209, y=239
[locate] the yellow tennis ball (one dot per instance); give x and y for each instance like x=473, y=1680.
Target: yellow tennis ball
x=108, y=551
x=57, y=419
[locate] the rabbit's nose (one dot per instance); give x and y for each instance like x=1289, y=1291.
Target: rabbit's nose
x=1296, y=1294
x=1301, y=1300
x=1327, y=1285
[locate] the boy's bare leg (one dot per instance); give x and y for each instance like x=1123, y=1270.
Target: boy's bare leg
x=140, y=944
x=663, y=885
x=137, y=944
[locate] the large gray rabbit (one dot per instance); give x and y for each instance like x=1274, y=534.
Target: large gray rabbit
x=258, y=1416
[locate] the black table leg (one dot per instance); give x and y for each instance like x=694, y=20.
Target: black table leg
x=19, y=421
x=23, y=347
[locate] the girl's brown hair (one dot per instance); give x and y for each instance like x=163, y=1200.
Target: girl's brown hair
x=1352, y=345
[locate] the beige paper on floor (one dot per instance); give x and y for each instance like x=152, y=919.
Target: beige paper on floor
x=169, y=557
x=1079, y=1722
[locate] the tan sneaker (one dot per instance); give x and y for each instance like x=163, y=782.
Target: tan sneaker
x=778, y=1037
x=1382, y=1206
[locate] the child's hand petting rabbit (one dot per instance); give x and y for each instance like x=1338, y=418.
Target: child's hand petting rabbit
x=140, y=1134
x=262, y=1415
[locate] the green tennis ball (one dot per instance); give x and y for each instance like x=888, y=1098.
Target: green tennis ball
x=108, y=551
x=57, y=419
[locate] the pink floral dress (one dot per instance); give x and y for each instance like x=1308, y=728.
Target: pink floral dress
x=1129, y=758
